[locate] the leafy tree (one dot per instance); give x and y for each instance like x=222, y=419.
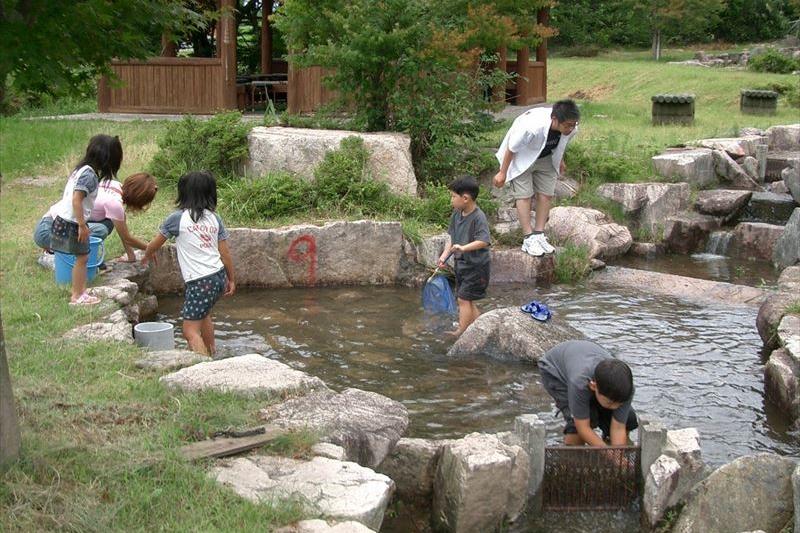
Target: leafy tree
x=752, y=20
x=691, y=19
x=411, y=65
x=52, y=46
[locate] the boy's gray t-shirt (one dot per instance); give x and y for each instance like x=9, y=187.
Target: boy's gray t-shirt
x=472, y=227
x=572, y=364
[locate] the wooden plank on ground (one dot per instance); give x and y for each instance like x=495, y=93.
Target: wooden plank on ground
x=225, y=446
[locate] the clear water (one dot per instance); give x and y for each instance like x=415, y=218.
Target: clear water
x=714, y=266
x=693, y=366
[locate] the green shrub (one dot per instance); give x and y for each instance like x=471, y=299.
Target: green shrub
x=218, y=144
x=572, y=263
x=272, y=196
x=789, y=91
x=773, y=61
x=580, y=50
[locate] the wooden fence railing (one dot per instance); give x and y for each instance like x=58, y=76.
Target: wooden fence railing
x=165, y=85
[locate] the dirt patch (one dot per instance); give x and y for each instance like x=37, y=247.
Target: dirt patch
x=35, y=181
x=598, y=92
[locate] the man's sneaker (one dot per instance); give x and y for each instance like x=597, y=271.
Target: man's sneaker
x=546, y=246
x=532, y=246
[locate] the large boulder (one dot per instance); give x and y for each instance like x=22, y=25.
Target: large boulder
x=516, y=266
x=338, y=253
x=508, y=334
x=649, y=204
x=480, y=482
x=721, y=202
x=787, y=247
x=784, y=137
x=687, y=232
x=249, y=375
x=590, y=228
x=683, y=445
x=750, y=493
x=366, y=424
x=338, y=490
x=695, y=166
x=755, y=240
x=300, y=150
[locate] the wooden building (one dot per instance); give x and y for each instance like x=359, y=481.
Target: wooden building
x=198, y=85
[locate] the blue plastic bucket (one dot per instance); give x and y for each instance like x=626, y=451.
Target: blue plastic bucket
x=65, y=262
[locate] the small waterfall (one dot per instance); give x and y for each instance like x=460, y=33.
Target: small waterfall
x=718, y=242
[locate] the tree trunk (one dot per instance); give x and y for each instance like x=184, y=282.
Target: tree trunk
x=9, y=426
x=657, y=44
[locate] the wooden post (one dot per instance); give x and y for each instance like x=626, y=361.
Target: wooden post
x=9, y=425
x=543, y=18
x=168, y=46
x=266, y=38
x=499, y=92
x=226, y=48
x=523, y=79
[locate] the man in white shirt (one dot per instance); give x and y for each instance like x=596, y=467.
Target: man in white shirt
x=531, y=158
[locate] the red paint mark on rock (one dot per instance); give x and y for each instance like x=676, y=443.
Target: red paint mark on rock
x=304, y=250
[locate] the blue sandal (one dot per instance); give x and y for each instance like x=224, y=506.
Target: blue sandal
x=538, y=310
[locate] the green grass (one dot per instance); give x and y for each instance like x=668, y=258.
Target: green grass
x=99, y=435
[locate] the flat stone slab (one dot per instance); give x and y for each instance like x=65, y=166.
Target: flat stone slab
x=300, y=150
x=695, y=166
x=247, y=375
x=168, y=360
x=339, y=490
x=681, y=287
x=366, y=424
x=734, y=146
x=784, y=137
x=755, y=240
x=777, y=161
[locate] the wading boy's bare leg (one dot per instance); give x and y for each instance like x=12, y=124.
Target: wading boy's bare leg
x=207, y=332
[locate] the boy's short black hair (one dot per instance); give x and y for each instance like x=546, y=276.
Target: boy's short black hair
x=614, y=380
x=565, y=110
x=465, y=185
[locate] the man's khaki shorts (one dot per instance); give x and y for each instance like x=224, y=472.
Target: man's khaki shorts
x=540, y=177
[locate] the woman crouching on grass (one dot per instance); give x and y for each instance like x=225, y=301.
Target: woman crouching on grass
x=203, y=255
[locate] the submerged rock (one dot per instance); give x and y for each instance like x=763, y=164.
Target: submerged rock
x=508, y=334
x=366, y=424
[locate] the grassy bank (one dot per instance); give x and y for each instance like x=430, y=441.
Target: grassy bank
x=99, y=435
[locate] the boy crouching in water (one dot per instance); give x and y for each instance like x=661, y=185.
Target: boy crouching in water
x=591, y=389
x=469, y=240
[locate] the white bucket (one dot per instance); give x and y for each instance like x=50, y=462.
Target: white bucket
x=155, y=336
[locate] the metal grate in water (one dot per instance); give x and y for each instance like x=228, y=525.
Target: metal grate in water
x=582, y=478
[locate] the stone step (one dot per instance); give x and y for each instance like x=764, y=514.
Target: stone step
x=777, y=161
x=768, y=207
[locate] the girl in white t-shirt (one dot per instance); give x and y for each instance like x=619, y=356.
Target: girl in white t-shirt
x=69, y=233
x=203, y=255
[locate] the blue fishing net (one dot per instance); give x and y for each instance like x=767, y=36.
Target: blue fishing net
x=437, y=296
